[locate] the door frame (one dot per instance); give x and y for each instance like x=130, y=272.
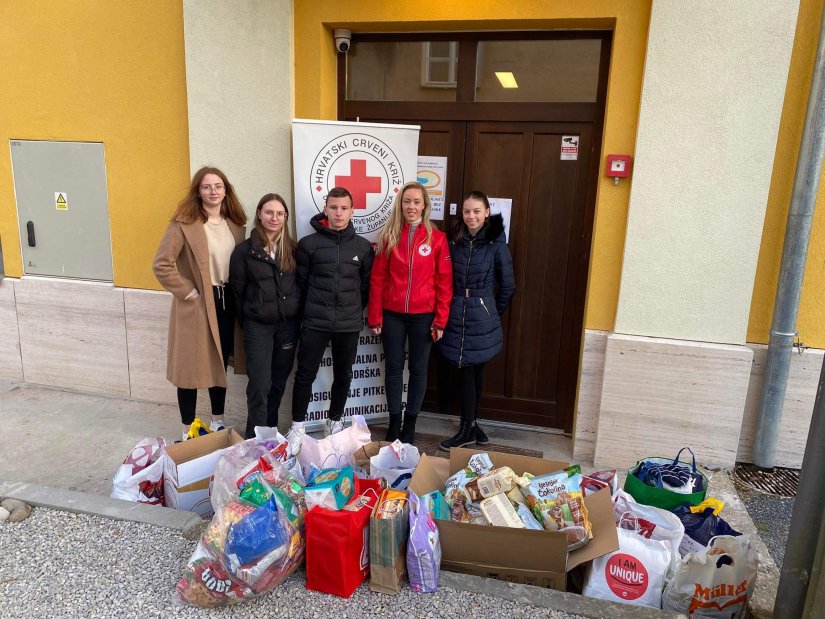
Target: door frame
x=464, y=108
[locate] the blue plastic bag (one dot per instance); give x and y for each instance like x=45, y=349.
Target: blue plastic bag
x=700, y=528
x=256, y=535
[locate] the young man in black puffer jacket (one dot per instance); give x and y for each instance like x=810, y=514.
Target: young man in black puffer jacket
x=333, y=270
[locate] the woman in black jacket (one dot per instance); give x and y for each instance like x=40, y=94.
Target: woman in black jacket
x=262, y=275
x=483, y=286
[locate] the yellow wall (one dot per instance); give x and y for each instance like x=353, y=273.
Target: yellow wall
x=111, y=72
x=315, y=87
x=811, y=323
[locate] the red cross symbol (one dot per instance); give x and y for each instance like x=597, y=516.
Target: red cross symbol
x=358, y=183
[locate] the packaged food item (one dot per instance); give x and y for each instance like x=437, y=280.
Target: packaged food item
x=475, y=514
x=557, y=502
x=478, y=464
x=527, y=517
x=330, y=488
x=256, y=492
x=390, y=503
x=516, y=496
x=436, y=505
x=458, y=509
x=423, y=549
x=499, y=512
x=499, y=480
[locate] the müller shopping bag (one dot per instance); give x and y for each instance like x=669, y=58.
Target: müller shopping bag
x=337, y=559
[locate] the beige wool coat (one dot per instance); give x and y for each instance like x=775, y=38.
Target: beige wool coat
x=193, y=355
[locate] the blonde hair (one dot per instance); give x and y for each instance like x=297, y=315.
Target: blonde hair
x=283, y=244
x=390, y=235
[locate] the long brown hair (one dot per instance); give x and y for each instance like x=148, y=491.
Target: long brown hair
x=191, y=208
x=459, y=226
x=390, y=236
x=283, y=244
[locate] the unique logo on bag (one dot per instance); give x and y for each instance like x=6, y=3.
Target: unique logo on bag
x=425, y=250
x=626, y=576
x=366, y=166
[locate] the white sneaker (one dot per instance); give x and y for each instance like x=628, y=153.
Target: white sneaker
x=333, y=426
x=295, y=437
x=215, y=425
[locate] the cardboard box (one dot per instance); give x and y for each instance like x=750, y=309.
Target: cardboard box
x=189, y=468
x=363, y=455
x=513, y=555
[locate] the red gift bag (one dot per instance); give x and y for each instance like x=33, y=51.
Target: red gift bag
x=337, y=549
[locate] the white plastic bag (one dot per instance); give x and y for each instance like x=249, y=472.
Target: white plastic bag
x=140, y=477
x=717, y=581
x=654, y=523
x=634, y=574
x=396, y=464
x=335, y=450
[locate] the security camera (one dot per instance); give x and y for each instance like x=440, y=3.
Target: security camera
x=343, y=39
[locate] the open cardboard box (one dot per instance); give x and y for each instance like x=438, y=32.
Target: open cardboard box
x=514, y=555
x=189, y=467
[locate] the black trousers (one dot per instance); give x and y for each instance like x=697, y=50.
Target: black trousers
x=472, y=384
x=400, y=331
x=270, y=353
x=225, y=311
x=310, y=352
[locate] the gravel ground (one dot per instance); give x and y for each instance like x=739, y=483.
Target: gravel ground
x=58, y=564
x=772, y=517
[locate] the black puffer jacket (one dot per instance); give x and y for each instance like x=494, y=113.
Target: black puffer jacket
x=483, y=286
x=263, y=292
x=334, y=273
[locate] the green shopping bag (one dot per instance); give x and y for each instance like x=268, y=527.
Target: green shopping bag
x=659, y=495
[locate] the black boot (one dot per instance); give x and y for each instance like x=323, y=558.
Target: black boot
x=393, y=428
x=481, y=438
x=466, y=436
x=407, y=434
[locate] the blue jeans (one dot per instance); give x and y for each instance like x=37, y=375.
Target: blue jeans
x=398, y=331
x=270, y=353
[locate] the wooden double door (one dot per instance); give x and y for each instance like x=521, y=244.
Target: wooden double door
x=533, y=380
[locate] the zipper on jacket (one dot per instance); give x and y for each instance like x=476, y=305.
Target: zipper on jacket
x=337, y=277
x=464, y=306
x=410, y=255
x=485, y=307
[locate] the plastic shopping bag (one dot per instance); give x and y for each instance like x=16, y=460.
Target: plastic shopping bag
x=653, y=481
x=654, y=523
x=423, y=548
x=335, y=450
x=634, y=574
x=338, y=542
x=702, y=523
x=718, y=581
x=395, y=463
x=140, y=477
x=255, y=539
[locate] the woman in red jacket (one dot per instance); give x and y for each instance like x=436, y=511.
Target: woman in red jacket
x=410, y=290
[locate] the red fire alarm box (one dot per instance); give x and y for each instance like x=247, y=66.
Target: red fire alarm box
x=618, y=166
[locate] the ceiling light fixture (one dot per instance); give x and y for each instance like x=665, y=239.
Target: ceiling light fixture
x=507, y=79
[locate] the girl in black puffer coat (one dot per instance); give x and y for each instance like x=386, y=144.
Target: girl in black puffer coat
x=268, y=300
x=483, y=286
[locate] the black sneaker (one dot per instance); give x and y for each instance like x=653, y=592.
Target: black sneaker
x=481, y=438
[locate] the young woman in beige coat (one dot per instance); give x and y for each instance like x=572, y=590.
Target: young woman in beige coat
x=192, y=263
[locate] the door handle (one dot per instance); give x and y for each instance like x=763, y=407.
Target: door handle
x=30, y=233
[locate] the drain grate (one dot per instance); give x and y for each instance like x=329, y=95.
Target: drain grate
x=779, y=482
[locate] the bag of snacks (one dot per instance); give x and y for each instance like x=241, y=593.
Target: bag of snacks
x=558, y=504
x=454, y=487
x=255, y=539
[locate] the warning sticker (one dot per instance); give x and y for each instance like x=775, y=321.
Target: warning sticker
x=569, y=147
x=61, y=200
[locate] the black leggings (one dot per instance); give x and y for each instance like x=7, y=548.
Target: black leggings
x=472, y=384
x=225, y=312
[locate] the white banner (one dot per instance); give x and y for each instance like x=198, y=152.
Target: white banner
x=373, y=162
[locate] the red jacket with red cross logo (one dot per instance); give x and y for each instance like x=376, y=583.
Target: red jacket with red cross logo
x=416, y=278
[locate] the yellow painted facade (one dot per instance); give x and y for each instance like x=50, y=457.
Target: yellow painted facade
x=315, y=86
x=811, y=322
x=110, y=72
